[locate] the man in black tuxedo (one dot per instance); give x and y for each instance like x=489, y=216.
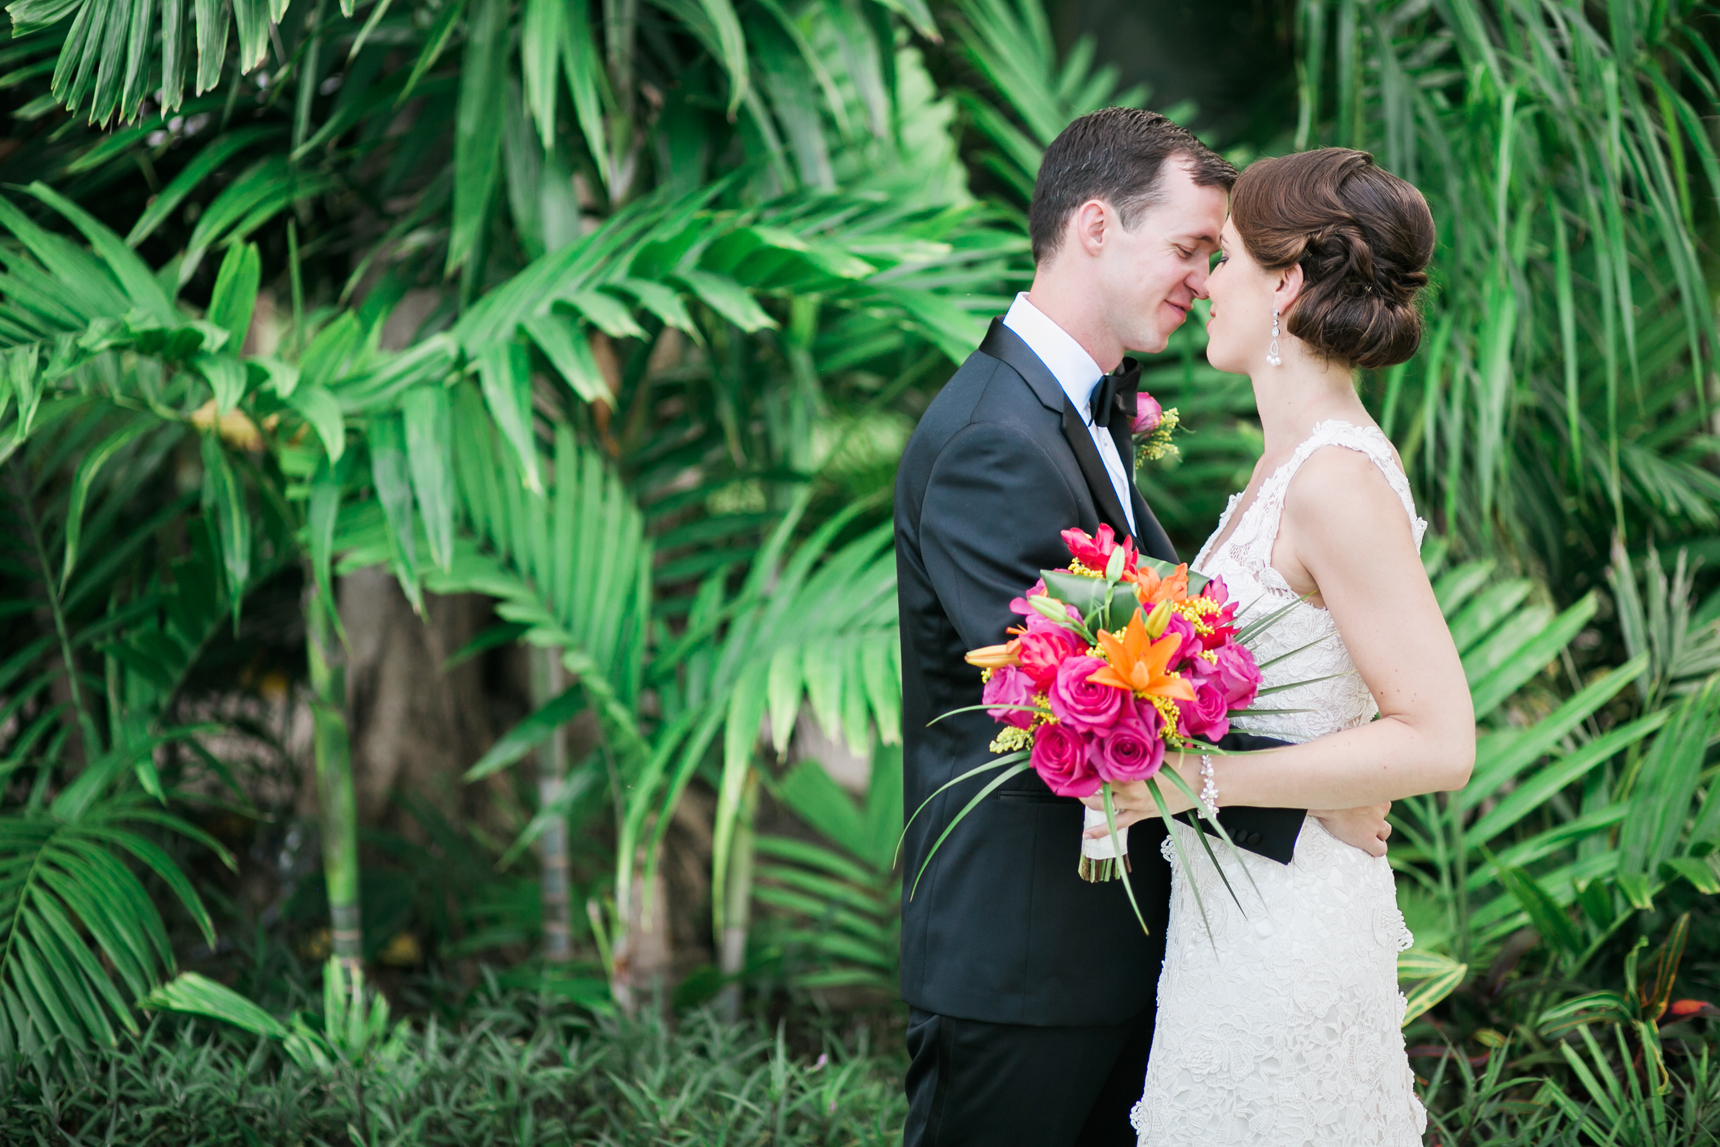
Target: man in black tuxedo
x=1031, y=992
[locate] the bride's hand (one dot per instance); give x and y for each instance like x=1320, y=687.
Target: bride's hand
x=1134, y=801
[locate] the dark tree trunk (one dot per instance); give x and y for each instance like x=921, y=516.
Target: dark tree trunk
x=414, y=727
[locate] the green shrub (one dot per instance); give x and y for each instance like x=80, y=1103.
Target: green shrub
x=510, y=1075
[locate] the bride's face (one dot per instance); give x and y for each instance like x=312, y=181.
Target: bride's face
x=1239, y=327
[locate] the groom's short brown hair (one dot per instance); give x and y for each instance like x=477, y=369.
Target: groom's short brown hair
x=1114, y=154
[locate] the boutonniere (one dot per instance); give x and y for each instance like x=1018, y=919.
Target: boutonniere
x=1152, y=428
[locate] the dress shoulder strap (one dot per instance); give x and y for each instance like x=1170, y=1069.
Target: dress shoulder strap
x=1369, y=441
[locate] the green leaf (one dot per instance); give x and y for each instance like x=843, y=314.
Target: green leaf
x=504, y=373
x=718, y=28
x=478, y=126
x=252, y=18
x=541, y=36
x=729, y=299
x=235, y=295
x=660, y=301
x=1666, y=785
x=1495, y=768
x=196, y=995
x=82, y=480
x=134, y=276
x=319, y=408
x=990, y=787
x=321, y=515
x=1700, y=873
x=430, y=450
x=226, y=375
x=607, y=313
x=822, y=803
x=1531, y=657
x=1549, y=918
x=229, y=517
x=569, y=352
x=325, y=359
x=529, y=733
x=222, y=148
x=388, y=469
x=585, y=83
x=783, y=691
x=1433, y=976
x=434, y=42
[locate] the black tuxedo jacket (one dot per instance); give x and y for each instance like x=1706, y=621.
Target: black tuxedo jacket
x=1001, y=927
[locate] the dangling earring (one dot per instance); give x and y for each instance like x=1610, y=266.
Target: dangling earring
x=1272, y=351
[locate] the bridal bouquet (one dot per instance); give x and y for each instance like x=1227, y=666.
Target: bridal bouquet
x=1117, y=659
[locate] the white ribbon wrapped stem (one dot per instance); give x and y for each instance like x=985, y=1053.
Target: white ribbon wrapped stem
x=1102, y=848
x=1101, y=858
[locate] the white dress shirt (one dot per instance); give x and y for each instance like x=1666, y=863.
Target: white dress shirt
x=1077, y=374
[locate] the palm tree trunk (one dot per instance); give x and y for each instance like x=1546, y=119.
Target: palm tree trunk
x=641, y=955
x=548, y=680
x=336, y=801
x=737, y=901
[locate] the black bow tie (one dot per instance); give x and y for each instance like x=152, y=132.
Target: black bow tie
x=1126, y=379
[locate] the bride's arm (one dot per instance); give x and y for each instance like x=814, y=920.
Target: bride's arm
x=1345, y=536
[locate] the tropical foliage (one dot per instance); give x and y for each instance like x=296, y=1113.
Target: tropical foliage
x=616, y=316
x=1565, y=389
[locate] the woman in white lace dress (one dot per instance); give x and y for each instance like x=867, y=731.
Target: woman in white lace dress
x=1279, y=1020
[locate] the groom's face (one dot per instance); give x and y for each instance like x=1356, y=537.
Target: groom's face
x=1155, y=270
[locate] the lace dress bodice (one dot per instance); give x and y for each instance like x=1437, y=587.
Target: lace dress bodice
x=1335, y=698
x=1279, y=1019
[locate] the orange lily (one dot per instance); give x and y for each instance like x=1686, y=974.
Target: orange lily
x=1139, y=664
x=994, y=656
x=1151, y=589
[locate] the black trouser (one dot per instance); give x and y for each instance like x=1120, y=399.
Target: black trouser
x=977, y=1084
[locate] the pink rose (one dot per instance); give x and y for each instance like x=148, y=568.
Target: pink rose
x=1060, y=758
x=1133, y=748
x=1191, y=641
x=1043, y=648
x=1207, y=716
x=1148, y=414
x=1238, y=676
x=1009, y=686
x=1087, y=705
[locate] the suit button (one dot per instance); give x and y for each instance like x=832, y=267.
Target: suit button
x=1253, y=838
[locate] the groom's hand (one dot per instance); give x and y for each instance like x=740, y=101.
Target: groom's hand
x=1365, y=828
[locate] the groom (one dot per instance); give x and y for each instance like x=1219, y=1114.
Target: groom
x=1031, y=992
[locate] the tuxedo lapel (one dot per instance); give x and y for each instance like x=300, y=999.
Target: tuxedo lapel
x=1080, y=440
x=1154, y=542
x=1005, y=345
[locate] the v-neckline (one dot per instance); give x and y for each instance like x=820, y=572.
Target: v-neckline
x=1233, y=521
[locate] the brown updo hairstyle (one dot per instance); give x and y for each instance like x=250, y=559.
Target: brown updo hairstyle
x=1363, y=238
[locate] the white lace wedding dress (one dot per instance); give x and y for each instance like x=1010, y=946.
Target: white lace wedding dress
x=1281, y=1028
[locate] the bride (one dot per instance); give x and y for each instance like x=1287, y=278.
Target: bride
x=1279, y=1019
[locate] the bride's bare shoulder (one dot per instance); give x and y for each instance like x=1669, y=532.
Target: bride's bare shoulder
x=1343, y=493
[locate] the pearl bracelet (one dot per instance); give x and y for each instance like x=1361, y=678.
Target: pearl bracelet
x=1208, y=786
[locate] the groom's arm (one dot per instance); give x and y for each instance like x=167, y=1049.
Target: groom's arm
x=1271, y=832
